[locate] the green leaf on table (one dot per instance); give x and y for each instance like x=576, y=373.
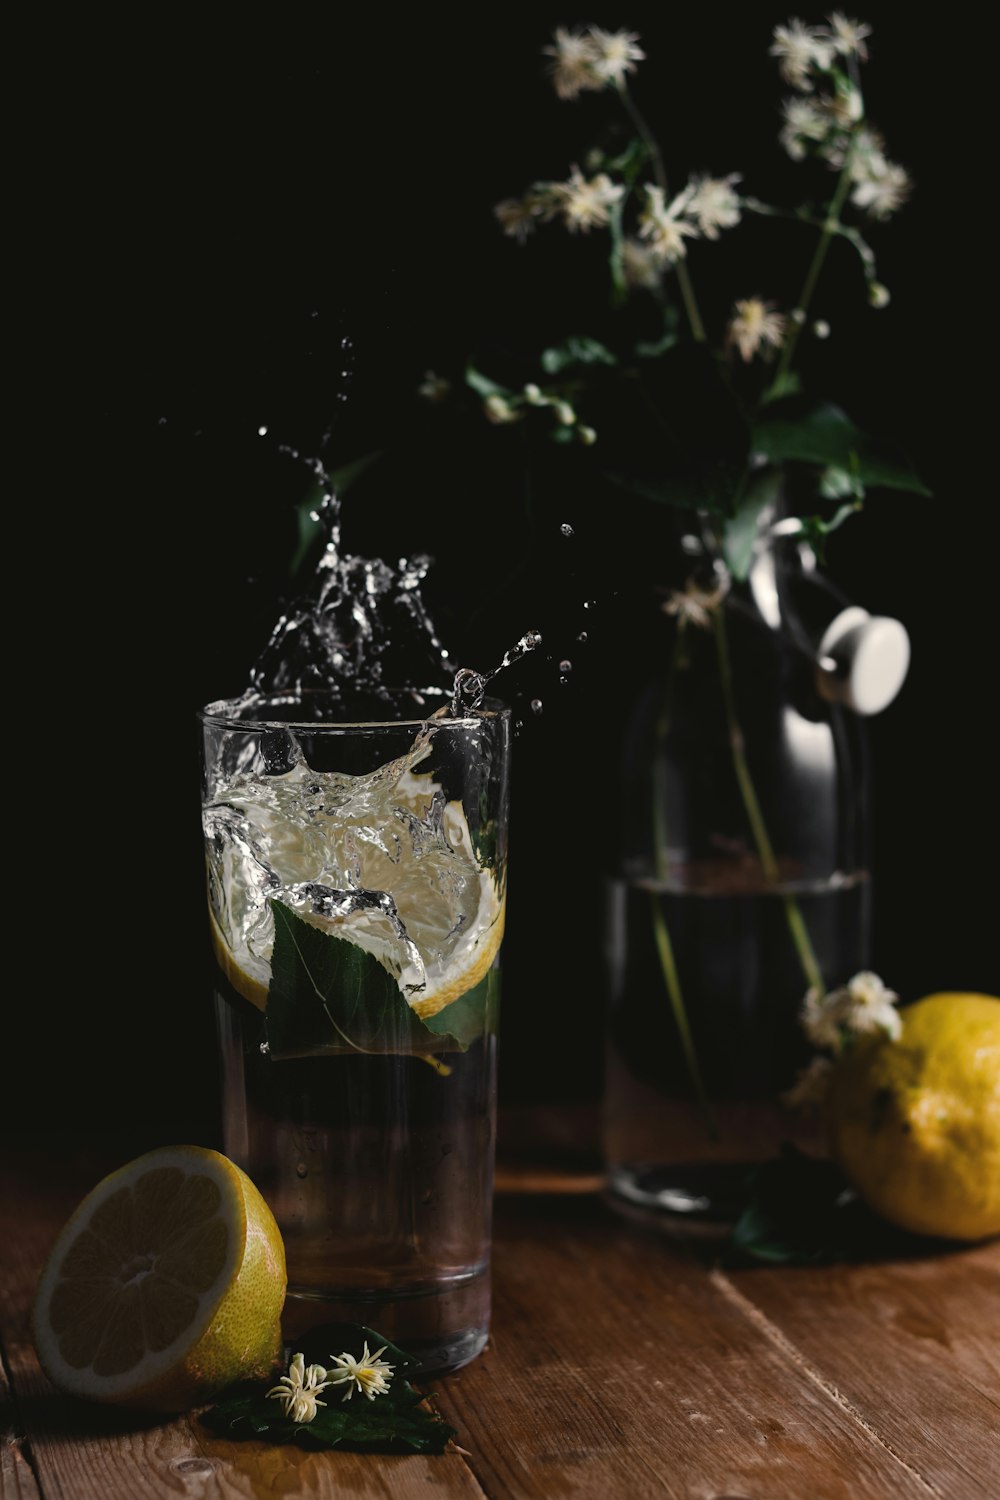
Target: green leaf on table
x=329, y=995
x=398, y=1421
x=802, y=1211
x=826, y=435
x=576, y=351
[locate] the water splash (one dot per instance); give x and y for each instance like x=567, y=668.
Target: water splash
x=470, y=686
x=364, y=630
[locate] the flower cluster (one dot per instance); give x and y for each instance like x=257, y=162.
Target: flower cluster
x=825, y=118
x=299, y=1390
x=863, y=1005
x=591, y=59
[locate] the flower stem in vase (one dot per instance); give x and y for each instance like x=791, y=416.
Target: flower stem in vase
x=661, y=932
x=793, y=915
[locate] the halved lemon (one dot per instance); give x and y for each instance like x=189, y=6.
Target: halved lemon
x=165, y=1285
x=449, y=914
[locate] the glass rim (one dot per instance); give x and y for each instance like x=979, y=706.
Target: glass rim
x=219, y=713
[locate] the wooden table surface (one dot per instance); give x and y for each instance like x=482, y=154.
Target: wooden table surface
x=621, y=1365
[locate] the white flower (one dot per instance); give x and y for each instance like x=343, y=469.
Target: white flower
x=849, y=36
x=434, y=387
x=714, y=205
x=885, y=189
x=695, y=605
x=300, y=1388
x=820, y=1020
x=664, y=227
x=573, y=66
x=640, y=264
x=845, y=107
x=367, y=1374
x=754, y=326
x=517, y=216
x=804, y=122
x=584, y=203
x=614, y=54
x=860, y=1006
x=497, y=409
x=799, y=49
x=868, y=1005
x=811, y=1085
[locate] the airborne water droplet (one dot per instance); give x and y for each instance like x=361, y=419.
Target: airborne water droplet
x=589, y=603
x=301, y=1170
x=565, y=666
x=582, y=636
x=536, y=705
x=566, y=529
x=262, y=431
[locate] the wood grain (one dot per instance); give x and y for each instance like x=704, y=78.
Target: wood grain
x=915, y=1345
x=620, y=1365
x=618, y=1368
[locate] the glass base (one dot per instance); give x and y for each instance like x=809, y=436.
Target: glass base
x=699, y=1200
x=443, y=1324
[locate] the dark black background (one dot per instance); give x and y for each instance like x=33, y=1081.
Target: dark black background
x=210, y=210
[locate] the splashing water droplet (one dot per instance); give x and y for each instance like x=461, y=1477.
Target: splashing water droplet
x=566, y=529
x=582, y=636
x=536, y=705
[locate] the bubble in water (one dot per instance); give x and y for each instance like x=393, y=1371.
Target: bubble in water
x=565, y=666
x=301, y=1170
x=566, y=529
x=536, y=705
x=582, y=636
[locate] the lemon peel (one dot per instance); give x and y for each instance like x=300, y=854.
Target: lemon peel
x=915, y=1123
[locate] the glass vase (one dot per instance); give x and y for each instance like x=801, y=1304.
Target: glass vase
x=741, y=881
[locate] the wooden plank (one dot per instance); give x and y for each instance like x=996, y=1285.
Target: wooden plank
x=617, y=1368
x=80, y=1450
x=17, y=1477
x=915, y=1345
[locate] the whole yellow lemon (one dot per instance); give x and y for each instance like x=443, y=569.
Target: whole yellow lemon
x=915, y=1123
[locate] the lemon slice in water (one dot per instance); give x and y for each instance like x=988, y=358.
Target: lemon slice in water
x=443, y=927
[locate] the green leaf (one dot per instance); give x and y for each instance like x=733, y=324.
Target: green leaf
x=483, y=385
x=740, y=530
x=399, y=1421
x=576, y=351
x=826, y=435
x=801, y=1211
x=653, y=350
x=309, y=528
x=472, y=1014
x=329, y=995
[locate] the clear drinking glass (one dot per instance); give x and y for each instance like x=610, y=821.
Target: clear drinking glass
x=356, y=883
